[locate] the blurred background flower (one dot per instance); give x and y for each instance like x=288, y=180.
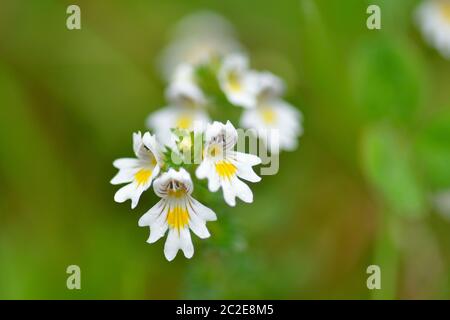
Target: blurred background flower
x=197, y=38
x=434, y=18
x=359, y=190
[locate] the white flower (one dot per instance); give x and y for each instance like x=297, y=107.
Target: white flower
x=276, y=122
x=177, y=212
x=224, y=167
x=199, y=38
x=183, y=89
x=138, y=172
x=268, y=86
x=434, y=19
x=237, y=82
x=168, y=118
x=186, y=109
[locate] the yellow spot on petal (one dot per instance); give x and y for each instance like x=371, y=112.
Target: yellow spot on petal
x=142, y=176
x=268, y=115
x=234, y=81
x=445, y=10
x=225, y=169
x=176, y=193
x=215, y=150
x=177, y=217
x=184, y=122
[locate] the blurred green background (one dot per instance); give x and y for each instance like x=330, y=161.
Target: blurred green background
x=357, y=192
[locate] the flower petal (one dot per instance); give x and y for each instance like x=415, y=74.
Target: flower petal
x=243, y=191
x=213, y=182
x=203, y=169
x=199, y=227
x=246, y=172
x=126, y=163
x=123, y=176
x=126, y=192
x=186, y=243
x=151, y=215
x=158, y=228
x=137, y=194
x=137, y=141
x=202, y=211
x=229, y=193
x=172, y=244
x=247, y=158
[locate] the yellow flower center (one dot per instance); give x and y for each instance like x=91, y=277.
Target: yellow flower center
x=184, y=122
x=215, y=150
x=176, y=189
x=234, y=81
x=268, y=115
x=445, y=9
x=176, y=193
x=142, y=176
x=225, y=169
x=177, y=217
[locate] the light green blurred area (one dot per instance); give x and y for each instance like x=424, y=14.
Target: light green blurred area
x=357, y=192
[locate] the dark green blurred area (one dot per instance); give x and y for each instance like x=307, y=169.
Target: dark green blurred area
x=376, y=147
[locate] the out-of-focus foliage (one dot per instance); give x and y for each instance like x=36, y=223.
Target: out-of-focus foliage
x=386, y=81
x=357, y=192
x=389, y=168
x=433, y=150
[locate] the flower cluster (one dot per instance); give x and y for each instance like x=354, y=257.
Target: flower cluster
x=208, y=73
